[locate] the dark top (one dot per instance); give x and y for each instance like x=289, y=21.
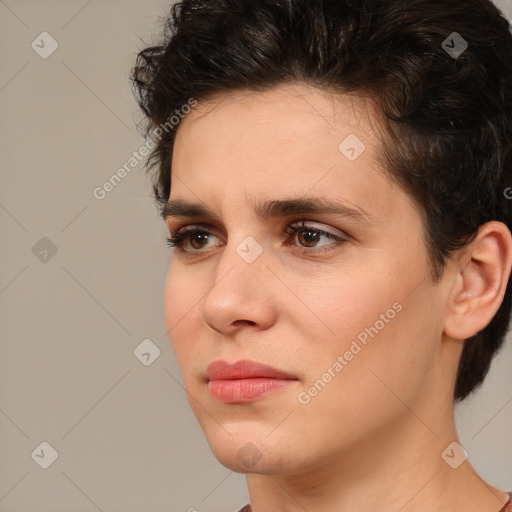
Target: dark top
x=506, y=508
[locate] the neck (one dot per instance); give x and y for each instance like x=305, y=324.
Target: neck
x=402, y=469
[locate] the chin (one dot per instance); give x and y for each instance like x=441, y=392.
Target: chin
x=251, y=452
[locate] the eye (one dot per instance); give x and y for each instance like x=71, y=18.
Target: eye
x=195, y=236
x=308, y=236
x=194, y=239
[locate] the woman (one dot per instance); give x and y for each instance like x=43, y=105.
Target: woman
x=341, y=240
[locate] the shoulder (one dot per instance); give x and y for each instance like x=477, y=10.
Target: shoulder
x=507, y=507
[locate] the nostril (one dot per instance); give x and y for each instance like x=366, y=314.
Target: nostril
x=237, y=322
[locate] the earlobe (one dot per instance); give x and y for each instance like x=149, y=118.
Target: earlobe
x=481, y=281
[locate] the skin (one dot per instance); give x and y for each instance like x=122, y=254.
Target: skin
x=372, y=439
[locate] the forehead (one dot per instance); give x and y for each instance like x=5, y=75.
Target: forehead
x=283, y=108
x=291, y=140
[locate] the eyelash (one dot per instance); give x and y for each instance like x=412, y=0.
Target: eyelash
x=177, y=238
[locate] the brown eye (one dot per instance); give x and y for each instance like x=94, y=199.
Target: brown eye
x=308, y=237
x=197, y=239
x=191, y=240
x=305, y=237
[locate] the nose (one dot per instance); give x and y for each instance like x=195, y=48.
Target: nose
x=242, y=293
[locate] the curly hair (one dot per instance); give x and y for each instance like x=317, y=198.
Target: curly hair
x=447, y=113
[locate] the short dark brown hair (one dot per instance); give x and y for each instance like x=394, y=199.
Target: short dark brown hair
x=447, y=112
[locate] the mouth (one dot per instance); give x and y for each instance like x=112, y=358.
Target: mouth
x=244, y=381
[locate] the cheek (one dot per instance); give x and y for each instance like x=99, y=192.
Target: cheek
x=182, y=295
x=372, y=380
x=181, y=309
x=372, y=320
x=336, y=308
x=172, y=305
x=390, y=351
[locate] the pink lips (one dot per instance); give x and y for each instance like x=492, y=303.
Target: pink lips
x=244, y=381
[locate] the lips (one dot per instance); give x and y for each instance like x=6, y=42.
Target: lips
x=244, y=369
x=244, y=381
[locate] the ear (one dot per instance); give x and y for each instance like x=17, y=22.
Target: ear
x=482, y=274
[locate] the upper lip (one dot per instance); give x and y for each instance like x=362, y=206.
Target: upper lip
x=244, y=369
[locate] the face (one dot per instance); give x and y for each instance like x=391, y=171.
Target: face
x=337, y=299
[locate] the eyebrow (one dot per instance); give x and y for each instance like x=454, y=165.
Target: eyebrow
x=273, y=208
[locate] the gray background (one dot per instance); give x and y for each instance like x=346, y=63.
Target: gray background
x=125, y=437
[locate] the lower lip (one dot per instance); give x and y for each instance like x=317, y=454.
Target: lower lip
x=244, y=390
